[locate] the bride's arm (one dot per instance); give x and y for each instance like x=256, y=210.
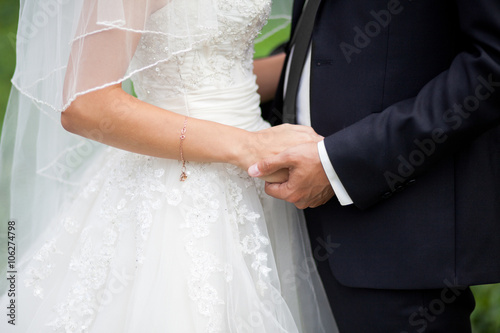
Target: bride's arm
x=115, y=118
x=268, y=72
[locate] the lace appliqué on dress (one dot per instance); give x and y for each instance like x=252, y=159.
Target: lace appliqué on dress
x=214, y=62
x=252, y=241
x=142, y=188
x=201, y=213
x=43, y=269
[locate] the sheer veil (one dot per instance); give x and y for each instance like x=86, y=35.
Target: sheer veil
x=66, y=48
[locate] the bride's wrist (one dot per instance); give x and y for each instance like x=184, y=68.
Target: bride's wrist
x=245, y=150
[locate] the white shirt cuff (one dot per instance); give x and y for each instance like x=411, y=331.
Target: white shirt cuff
x=337, y=186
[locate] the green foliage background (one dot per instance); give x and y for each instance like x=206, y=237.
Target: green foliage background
x=486, y=317
x=8, y=25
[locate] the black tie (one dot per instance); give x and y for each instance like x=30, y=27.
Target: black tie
x=300, y=41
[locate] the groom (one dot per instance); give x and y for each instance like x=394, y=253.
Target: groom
x=407, y=96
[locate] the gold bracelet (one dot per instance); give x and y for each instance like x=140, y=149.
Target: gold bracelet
x=182, y=137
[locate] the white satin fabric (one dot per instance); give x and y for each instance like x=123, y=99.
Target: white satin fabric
x=235, y=106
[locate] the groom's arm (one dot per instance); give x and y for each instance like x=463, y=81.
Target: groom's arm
x=379, y=155
x=384, y=152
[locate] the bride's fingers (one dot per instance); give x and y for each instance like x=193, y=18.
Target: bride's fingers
x=300, y=132
x=306, y=130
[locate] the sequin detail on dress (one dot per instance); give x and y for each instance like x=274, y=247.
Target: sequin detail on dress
x=217, y=62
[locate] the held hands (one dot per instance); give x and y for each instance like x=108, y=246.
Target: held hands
x=272, y=141
x=307, y=184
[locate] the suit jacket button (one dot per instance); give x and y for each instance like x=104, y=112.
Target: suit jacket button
x=387, y=195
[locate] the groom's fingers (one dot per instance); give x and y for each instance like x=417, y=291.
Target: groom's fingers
x=279, y=176
x=278, y=190
x=315, y=137
x=307, y=185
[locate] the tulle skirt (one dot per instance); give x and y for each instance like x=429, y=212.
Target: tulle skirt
x=137, y=250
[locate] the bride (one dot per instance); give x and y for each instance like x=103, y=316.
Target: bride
x=153, y=224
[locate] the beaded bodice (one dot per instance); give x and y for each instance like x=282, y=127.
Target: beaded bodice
x=220, y=61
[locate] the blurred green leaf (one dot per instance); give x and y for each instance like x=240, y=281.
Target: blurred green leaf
x=486, y=316
x=9, y=10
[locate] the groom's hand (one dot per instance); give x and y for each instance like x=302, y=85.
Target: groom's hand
x=307, y=184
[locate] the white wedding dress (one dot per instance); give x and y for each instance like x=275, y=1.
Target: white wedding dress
x=140, y=251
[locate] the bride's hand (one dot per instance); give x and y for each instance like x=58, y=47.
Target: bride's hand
x=274, y=140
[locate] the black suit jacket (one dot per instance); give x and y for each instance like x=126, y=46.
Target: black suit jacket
x=408, y=93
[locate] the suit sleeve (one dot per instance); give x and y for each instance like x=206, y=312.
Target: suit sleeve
x=384, y=152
